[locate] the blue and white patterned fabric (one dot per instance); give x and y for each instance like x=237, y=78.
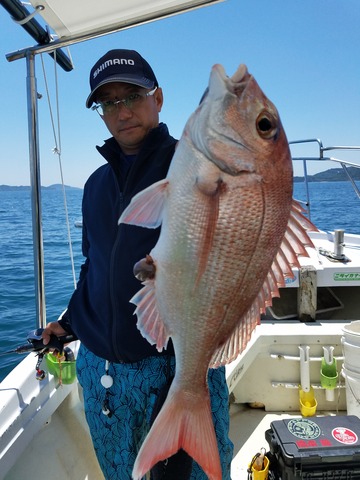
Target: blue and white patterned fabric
x=117, y=437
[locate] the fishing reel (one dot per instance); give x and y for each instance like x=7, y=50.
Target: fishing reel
x=35, y=343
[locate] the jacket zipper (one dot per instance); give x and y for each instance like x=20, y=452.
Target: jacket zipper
x=112, y=262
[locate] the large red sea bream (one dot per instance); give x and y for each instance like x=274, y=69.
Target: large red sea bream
x=230, y=232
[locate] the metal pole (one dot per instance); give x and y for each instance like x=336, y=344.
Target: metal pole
x=307, y=189
x=117, y=26
x=34, y=158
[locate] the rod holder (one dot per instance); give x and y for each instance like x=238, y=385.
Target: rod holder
x=304, y=368
x=339, y=244
x=328, y=374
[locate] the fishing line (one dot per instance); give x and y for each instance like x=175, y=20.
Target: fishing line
x=57, y=151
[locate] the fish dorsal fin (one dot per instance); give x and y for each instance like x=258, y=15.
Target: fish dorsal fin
x=146, y=208
x=293, y=245
x=149, y=322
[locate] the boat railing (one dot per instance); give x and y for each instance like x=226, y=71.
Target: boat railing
x=323, y=156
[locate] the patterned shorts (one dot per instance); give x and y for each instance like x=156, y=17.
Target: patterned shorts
x=117, y=437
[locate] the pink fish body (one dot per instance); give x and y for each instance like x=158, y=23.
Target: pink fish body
x=230, y=233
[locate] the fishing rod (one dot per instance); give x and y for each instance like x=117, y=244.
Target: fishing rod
x=36, y=343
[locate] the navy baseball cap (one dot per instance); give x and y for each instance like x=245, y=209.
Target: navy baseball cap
x=120, y=66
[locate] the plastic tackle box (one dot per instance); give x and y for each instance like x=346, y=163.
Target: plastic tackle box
x=326, y=448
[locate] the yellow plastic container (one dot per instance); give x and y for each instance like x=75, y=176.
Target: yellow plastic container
x=260, y=474
x=65, y=371
x=308, y=402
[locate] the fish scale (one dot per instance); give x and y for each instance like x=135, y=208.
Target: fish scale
x=222, y=254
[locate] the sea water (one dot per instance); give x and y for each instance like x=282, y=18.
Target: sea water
x=17, y=289
x=333, y=205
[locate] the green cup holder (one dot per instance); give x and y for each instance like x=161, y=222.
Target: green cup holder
x=64, y=371
x=328, y=375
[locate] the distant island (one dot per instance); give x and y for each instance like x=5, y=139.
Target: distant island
x=332, y=175
x=56, y=186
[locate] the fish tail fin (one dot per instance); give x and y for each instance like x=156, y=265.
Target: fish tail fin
x=181, y=423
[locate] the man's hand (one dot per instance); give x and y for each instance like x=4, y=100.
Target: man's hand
x=52, y=328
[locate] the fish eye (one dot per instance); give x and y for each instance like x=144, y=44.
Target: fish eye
x=266, y=125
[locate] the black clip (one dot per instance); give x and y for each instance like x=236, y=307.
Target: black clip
x=105, y=407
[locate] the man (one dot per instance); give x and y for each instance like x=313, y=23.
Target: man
x=122, y=375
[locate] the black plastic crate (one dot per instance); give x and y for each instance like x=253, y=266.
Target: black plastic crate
x=326, y=448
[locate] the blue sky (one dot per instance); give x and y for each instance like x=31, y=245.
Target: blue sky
x=304, y=55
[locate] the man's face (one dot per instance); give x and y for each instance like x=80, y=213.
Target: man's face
x=130, y=126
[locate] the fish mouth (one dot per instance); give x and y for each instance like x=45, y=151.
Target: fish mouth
x=237, y=83
x=241, y=76
x=213, y=136
x=236, y=86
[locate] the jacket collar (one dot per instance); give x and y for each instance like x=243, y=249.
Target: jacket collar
x=112, y=152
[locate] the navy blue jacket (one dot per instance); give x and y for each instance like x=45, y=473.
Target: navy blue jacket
x=99, y=312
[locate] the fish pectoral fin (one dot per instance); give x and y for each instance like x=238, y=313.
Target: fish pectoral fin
x=146, y=208
x=191, y=428
x=149, y=321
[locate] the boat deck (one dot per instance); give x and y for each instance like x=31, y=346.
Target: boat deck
x=67, y=433
x=247, y=431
